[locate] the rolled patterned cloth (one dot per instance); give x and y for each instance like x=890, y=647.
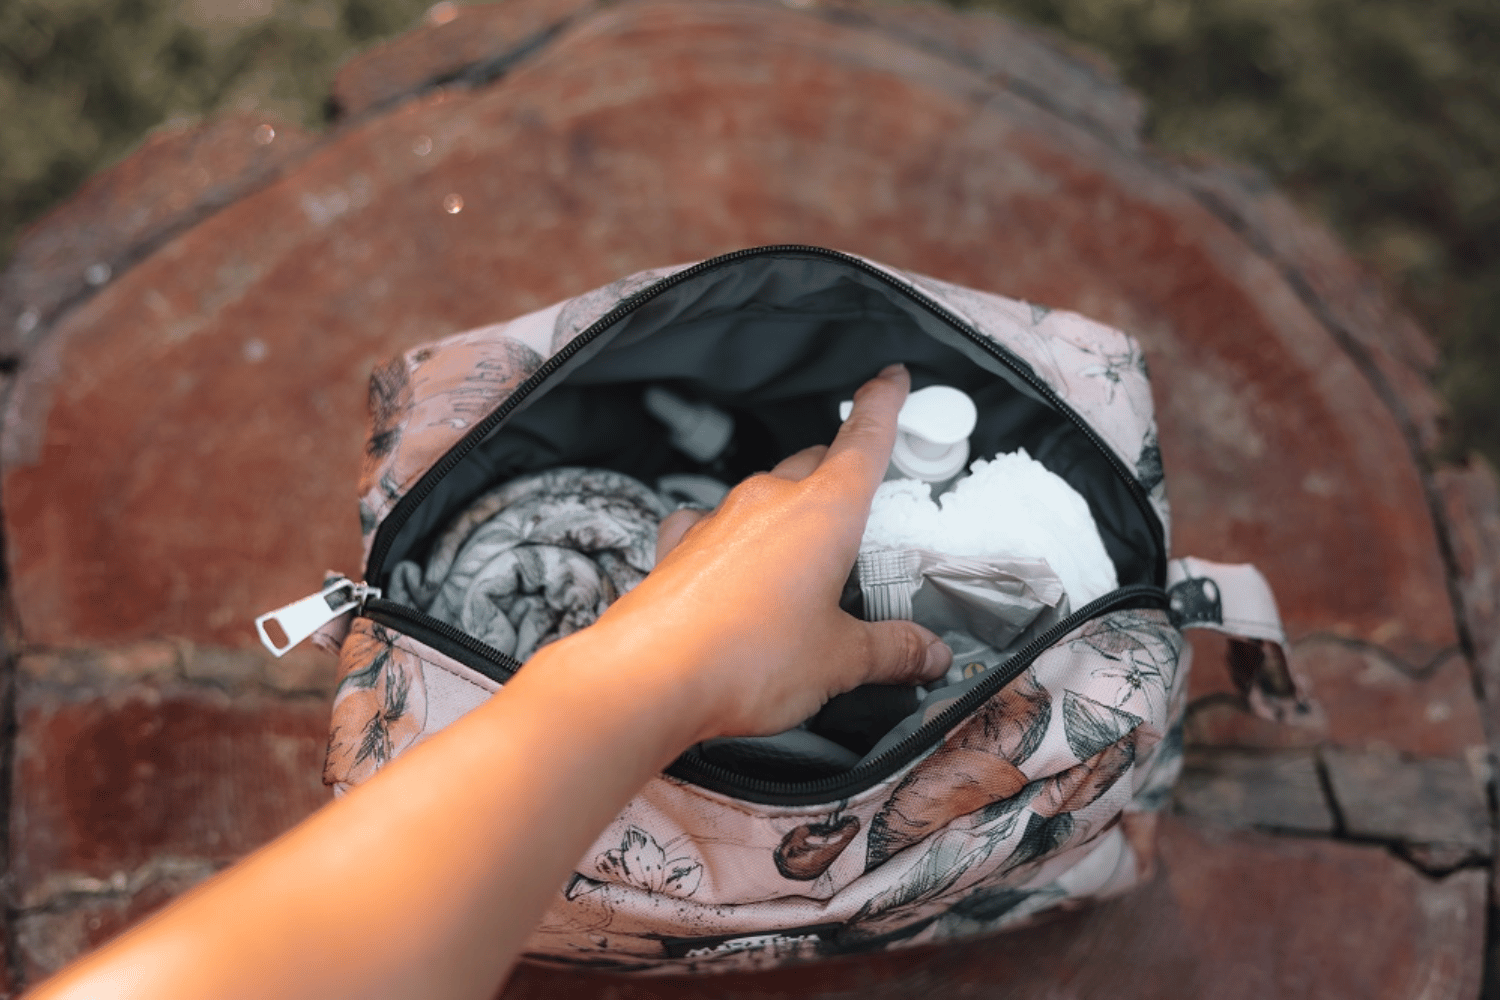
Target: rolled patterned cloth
x=538, y=558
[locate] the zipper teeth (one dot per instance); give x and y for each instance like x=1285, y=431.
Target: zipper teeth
x=385, y=535
x=495, y=665
x=691, y=767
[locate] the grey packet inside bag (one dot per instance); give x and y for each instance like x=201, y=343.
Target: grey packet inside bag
x=981, y=607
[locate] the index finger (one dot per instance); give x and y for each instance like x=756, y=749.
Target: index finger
x=865, y=441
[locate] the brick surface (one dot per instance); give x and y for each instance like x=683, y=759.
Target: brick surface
x=1370, y=699
x=1439, y=804
x=1348, y=296
x=105, y=785
x=1074, y=82
x=1281, y=791
x=302, y=671
x=1471, y=499
x=482, y=39
x=1232, y=916
x=207, y=433
x=49, y=937
x=176, y=177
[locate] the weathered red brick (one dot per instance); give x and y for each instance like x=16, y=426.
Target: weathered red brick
x=472, y=38
x=176, y=177
x=1351, y=298
x=106, y=784
x=183, y=447
x=1281, y=792
x=48, y=938
x=1471, y=499
x=1442, y=804
x=302, y=671
x=1076, y=82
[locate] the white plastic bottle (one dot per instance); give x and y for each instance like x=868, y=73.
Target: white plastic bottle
x=932, y=436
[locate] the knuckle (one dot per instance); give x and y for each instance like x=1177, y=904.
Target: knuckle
x=754, y=491
x=913, y=650
x=852, y=462
x=893, y=651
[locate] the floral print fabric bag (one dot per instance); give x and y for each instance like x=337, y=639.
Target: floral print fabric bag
x=1034, y=784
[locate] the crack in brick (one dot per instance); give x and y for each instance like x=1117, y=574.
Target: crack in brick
x=1434, y=860
x=9, y=727
x=1453, y=575
x=483, y=72
x=1340, y=825
x=64, y=891
x=471, y=75
x=1416, y=672
x=1213, y=698
x=178, y=680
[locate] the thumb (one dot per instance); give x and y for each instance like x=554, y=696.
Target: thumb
x=903, y=652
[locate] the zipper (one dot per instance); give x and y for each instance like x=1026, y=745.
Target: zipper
x=692, y=768
x=386, y=534
x=301, y=618
x=444, y=638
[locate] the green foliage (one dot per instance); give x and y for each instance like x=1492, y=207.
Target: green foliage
x=81, y=81
x=1383, y=116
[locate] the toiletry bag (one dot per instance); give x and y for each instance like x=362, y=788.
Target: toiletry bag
x=1032, y=784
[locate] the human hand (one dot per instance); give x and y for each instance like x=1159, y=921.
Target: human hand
x=744, y=600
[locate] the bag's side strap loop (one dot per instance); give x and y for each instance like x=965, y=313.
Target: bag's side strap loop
x=1237, y=601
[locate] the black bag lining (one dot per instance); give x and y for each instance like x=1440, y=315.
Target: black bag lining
x=777, y=341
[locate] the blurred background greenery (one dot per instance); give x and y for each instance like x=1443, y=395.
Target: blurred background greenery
x=1380, y=116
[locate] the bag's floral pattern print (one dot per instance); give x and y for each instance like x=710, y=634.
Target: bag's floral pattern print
x=977, y=766
x=580, y=313
x=641, y=862
x=807, y=852
x=1090, y=365
x=423, y=402
x=1001, y=811
x=1040, y=799
x=379, y=709
x=1139, y=653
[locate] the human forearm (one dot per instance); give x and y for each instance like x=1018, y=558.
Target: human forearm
x=427, y=881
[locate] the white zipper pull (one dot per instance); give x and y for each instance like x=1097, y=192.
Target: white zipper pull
x=300, y=619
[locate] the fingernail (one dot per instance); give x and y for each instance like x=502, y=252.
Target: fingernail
x=890, y=371
x=939, y=658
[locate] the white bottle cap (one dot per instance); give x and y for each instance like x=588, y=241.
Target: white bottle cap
x=932, y=443
x=699, y=430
